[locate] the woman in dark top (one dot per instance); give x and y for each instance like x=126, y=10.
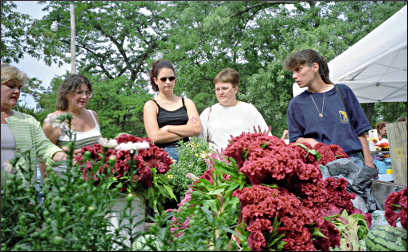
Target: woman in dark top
x=320, y=114
x=167, y=117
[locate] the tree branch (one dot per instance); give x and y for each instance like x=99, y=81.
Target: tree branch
x=116, y=43
x=101, y=56
x=264, y=4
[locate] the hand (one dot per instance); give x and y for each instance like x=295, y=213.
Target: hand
x=284, y=134
x=77, y=151
x=369, y=163
x=312, y=142
x=165, y=128
x=59, y=156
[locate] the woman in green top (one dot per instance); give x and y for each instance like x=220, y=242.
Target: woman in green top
x=21, y=133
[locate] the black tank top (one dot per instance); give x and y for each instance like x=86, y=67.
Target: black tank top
x=175, y=117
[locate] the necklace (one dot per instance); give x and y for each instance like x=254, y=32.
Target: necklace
x=320, y=113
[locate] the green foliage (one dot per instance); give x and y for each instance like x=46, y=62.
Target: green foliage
x=352, y=228
x=70, y=208
x=13, y=32
x=211, y=216
x=159, y=192
x=112, y=38
x=71, y=214
x=389, y=112
x=191, y=160
x=119, y=105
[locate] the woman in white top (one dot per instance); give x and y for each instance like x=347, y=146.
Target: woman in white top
x=73, y=96
x=229, y=117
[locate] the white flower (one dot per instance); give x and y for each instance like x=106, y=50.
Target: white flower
x=108, y=143
x=55, y=123
x=129, y=146
x=8, y=167
x=191, y=176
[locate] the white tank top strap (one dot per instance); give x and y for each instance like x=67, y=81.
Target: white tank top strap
x=93, y=117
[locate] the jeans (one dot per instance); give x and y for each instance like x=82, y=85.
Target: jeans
x=172, y=151
x=38, y=185
x=357, y=159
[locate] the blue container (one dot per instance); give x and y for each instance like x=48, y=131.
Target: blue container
x=381, y=166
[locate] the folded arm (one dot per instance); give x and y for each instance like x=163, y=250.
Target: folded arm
x=193, y=126
x=156, y=134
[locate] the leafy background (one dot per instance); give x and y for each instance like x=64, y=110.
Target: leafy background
x=117, y=41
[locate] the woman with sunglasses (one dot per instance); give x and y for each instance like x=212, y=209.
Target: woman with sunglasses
x=169, y=118
x=72, y=97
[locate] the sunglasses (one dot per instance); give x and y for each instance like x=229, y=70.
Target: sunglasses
x=171, y=78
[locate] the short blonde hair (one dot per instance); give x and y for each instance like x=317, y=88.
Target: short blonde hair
x=12, y=73
x=228, y=75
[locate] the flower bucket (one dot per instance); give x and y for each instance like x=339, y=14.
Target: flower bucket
x=136, y=213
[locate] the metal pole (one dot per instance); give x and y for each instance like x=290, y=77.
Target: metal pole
x=72, y=15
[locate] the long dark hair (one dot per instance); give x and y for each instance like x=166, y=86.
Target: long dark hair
x=156, y=67
x=309, y=56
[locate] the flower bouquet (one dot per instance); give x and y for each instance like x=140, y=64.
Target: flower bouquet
x=132, y=164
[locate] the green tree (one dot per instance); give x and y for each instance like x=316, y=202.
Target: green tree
x=113, y=38
x=254, y=38
x=13, y=32
x=388, y=111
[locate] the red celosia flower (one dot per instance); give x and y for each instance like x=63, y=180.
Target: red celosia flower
x=396, y=207
x=140, y=172
x=301, y=198
x=331, y=232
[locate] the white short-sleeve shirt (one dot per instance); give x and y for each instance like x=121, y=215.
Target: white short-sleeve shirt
x=219, y=123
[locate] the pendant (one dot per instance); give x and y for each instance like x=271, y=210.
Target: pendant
x=320, y=114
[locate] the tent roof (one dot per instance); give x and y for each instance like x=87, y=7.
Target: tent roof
x=375, y=67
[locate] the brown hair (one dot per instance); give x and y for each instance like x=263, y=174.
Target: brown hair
x=227, y=75
x=308, y=56
x=380, y=125
x=72, y=83
x=156, y=67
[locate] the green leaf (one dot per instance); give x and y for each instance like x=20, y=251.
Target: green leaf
x=216, y=192
x=313, y=152
x=316, y=232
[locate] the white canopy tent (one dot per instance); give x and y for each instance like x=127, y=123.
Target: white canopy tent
x=375, y=67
